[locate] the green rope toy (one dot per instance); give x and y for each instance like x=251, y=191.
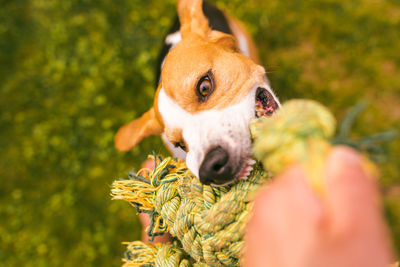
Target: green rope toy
x=207, y=223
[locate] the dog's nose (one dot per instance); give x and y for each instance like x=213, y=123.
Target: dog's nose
x=215, y=168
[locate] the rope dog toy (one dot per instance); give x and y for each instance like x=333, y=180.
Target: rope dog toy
x=207, y=223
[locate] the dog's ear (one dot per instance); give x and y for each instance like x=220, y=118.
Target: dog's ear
x=223, y=39
x=133, y=132
x=192, y=18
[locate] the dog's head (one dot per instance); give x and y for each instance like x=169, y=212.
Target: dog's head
x=207, y=96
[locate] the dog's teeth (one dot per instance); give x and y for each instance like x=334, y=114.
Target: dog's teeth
x=248, y=173
x=251, y=161
x=244, y=175
x=247, y=169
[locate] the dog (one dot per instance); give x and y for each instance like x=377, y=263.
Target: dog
x=210, y=86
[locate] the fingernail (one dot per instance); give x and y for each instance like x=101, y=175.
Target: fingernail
x=342, y=160
x=343, y=156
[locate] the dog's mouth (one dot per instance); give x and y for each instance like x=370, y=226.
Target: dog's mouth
x=247, y=168
x=265, y=103
x=265, y=106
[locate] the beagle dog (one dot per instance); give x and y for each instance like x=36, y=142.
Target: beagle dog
x=210, y=86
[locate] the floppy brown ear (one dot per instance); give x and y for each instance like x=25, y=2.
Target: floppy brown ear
x=192, y=18
x=132, y=133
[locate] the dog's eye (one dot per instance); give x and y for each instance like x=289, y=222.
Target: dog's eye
x=205, y=87
x=181, y=145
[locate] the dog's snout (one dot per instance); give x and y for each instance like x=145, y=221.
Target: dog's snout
x=215, y=167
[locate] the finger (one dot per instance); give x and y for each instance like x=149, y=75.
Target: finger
x=145, y=220
x=286, y=215
x=352, y=194
x=148, y=164
x=356, y=225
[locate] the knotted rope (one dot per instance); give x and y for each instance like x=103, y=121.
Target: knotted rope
x=297, y=133
x=208, y=222
x=141, y=254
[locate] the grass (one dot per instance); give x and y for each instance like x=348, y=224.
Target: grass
x=72, y=72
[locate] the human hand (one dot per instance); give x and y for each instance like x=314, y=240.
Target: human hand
x=144, y=218
x=292, y=226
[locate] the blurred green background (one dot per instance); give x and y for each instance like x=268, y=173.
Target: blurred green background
x=72, y=72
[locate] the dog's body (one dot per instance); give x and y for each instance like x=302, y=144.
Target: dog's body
x=209, y=88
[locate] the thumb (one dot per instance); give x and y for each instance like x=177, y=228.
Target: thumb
x=354, y=211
